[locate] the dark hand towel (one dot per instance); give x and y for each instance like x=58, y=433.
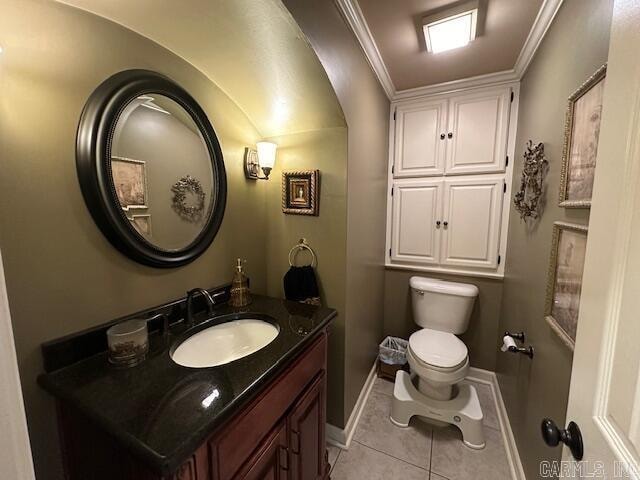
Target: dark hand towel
x=300, y=285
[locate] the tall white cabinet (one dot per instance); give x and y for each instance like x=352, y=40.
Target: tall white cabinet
x=449, y=177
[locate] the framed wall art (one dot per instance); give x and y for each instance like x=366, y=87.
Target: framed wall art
x=130, y=182
x=564, y=283
x=300, y=192
x=581, y=135
x=142, y=223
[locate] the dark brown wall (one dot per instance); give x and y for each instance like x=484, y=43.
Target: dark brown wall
x=482, y=335
x=62, y=274
x=366, y=109
x=573, y=48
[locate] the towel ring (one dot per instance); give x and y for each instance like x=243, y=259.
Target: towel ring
x=302, y=245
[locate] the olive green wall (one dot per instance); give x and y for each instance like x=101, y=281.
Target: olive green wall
x=482, y=335
x=62, y=274
x=573, y=48
x=366, y=109
x=325, y=150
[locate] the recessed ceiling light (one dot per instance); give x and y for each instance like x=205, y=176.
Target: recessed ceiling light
x=452, y=31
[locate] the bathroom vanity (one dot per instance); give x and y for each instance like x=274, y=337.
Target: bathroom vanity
x=259, y=417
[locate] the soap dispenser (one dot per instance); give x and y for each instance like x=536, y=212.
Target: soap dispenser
x=240, y=293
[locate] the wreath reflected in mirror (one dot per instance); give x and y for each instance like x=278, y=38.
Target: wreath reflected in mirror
x=528, y=200
x=188, y=199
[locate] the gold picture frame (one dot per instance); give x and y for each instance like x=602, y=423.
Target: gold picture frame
x=300, y=192
x=142, y=224
x=130, y=182
x=581, y=136
x=564, y=280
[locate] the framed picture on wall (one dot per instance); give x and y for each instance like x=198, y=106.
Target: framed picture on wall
x=581, y=135
x=142, y=223
x=130, y=182
x=300, y=192
x=564, y=283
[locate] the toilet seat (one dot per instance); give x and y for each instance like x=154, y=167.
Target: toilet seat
x=436, y=350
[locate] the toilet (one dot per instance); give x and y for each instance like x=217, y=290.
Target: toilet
x=439, y=361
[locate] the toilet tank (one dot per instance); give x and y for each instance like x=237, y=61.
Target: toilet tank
x=440, y=305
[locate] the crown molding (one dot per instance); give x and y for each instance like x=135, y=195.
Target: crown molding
x=541, y=24
x=496, y=78
x=355, y=18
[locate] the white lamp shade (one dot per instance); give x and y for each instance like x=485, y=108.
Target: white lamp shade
x=266, y=154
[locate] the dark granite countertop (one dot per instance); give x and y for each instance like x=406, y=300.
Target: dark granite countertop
x=162, y=412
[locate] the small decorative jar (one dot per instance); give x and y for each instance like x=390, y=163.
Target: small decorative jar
x=128, y=343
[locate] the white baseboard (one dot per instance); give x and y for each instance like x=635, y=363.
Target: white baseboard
x=485, y=376
x=342, y=437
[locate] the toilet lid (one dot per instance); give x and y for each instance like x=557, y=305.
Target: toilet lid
x=440, y=349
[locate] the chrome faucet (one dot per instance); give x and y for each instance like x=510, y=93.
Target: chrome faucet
x=192, y=293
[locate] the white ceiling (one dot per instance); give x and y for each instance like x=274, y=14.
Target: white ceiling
x=397, y=31
x=390, y=34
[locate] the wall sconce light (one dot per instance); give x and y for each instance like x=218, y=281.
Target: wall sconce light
x=264, y=158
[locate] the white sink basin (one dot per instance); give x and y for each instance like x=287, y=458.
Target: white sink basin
x=224, y=343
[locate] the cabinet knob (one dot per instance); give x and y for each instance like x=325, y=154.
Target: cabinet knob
x=442, y=136
x=445, y=223
x=438, y=224
x=450, y=135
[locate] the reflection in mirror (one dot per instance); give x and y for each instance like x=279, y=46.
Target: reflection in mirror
x=162, y=172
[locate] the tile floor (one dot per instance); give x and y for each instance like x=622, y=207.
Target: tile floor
x=382, y=451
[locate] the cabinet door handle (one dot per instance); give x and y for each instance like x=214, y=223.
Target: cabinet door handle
x=442, y=136
x=284, y=458
x=438, y=224
x=295, y=442
x=450, y=135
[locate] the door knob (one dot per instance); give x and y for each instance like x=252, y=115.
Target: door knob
x=571, y=437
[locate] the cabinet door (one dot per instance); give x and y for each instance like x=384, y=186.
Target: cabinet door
x=271, y=460
x=472, y=212
x=417, y=207
x=306, y=434
x=419, y=150
x=187, y=471
x=478, y=132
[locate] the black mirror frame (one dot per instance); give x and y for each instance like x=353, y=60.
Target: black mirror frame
x=93, y=161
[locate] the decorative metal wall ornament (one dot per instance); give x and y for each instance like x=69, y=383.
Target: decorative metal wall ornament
x=528, y=199
x=185, y=186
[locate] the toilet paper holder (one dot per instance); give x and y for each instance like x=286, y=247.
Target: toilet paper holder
x=520, y=337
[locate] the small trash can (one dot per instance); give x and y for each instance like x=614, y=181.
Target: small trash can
x=392, y=357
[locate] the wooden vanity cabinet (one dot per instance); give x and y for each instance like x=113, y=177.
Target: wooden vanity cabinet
x=279, y=435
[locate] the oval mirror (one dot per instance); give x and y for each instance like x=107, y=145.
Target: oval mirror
x=151, y=169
